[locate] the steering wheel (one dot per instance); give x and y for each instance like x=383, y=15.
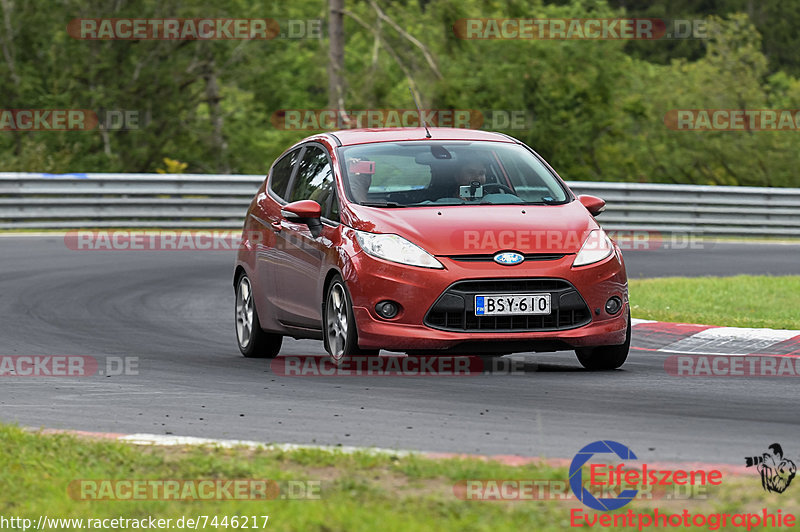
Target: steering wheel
x=500, y=186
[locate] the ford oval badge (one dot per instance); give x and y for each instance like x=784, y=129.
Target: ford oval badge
x=508, y=258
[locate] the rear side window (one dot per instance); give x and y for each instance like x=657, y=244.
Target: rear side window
x=281, y=173
x=314, y=181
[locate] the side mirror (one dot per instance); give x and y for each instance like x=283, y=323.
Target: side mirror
x=593, y=204
x=304, y=212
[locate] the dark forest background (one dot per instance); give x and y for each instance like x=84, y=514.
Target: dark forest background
x=595, y=108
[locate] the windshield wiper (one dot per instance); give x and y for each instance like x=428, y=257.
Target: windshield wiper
x=543, y=201
x=382, y=204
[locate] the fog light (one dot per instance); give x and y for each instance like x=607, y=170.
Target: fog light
x=387, y=309
x=613, y=305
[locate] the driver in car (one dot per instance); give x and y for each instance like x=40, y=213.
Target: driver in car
x=472, y=173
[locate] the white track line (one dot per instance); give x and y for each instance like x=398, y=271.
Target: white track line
x=169, y=440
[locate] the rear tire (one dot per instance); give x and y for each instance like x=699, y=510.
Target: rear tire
x=606, y=357
x=339, y=325
x=253, y=342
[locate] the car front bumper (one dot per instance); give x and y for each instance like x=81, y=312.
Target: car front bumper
x=417, y=290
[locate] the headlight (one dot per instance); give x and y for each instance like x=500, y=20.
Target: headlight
x=596, y=248
x=396, y=249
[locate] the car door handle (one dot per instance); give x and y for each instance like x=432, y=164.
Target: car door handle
x=276, y=226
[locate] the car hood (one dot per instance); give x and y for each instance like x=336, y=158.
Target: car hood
x=481, y=229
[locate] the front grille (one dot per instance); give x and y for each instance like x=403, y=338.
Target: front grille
x=454, y=310
x=490, y=257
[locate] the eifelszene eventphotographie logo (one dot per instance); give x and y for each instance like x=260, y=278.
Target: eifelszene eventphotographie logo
x=619, y=479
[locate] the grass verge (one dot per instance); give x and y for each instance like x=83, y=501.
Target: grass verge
x=739, y=301
x=357, y=491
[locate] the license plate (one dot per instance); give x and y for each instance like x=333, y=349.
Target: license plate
x=512, y=304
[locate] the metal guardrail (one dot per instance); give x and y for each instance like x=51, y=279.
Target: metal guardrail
x=73, y=201
x=711, y=210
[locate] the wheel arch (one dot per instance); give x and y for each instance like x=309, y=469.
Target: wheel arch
x=331, y=273
x=237, y=273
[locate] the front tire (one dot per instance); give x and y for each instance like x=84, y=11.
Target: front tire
x=339, y=325
x=253, y=342
x=607, y=357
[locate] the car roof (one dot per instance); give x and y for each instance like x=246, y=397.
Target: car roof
x=349, y=137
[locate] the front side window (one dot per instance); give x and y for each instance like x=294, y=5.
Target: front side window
x=418, y=173
x=314, y=181
x=281, y=172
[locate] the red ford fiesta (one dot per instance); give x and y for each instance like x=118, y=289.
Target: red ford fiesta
x=451, y=241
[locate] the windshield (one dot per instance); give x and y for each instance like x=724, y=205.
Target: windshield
x=403, y=174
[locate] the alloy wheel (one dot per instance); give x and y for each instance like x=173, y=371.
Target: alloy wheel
x=244, y=312
x=336, y=311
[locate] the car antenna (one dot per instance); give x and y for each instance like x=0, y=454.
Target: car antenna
x=421, y=119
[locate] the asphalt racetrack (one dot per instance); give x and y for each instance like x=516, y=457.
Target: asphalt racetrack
x=174, y=311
